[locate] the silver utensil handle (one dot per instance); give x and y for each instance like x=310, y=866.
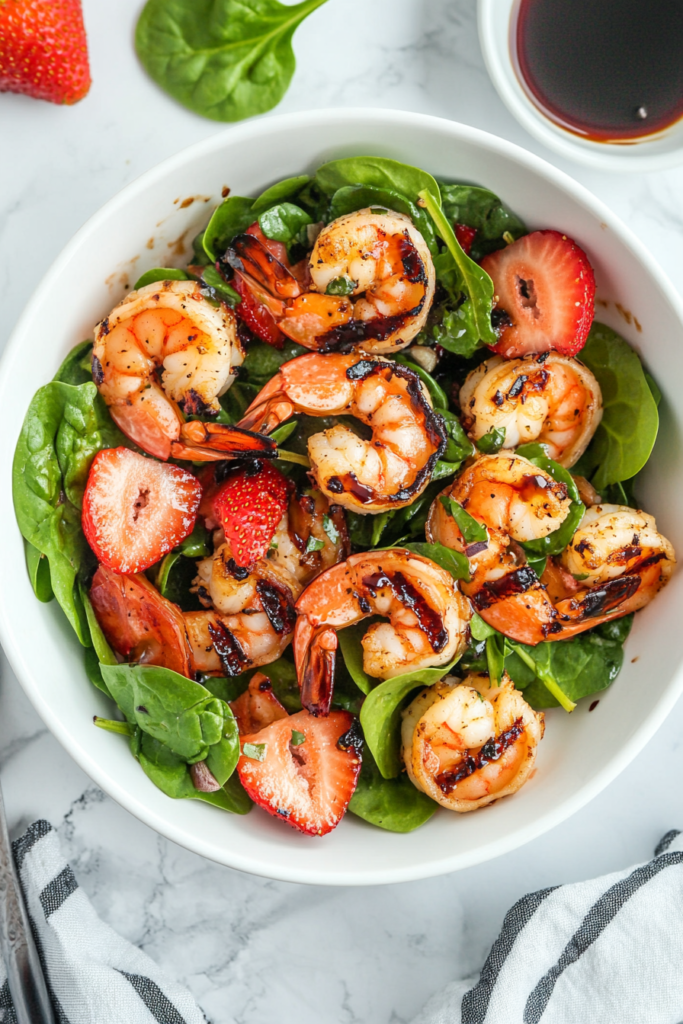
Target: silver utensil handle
x=24, y=973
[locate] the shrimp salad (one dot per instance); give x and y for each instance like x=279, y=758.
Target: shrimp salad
x=337, y=511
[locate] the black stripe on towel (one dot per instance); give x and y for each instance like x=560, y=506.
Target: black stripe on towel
x=666, y=841
x=9, y=1014
x=475, y=1003
x=58, y=890
x=154, y=999
x=31, y=836
x=603, y=911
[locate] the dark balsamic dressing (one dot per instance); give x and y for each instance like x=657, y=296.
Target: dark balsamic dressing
x=605, y=69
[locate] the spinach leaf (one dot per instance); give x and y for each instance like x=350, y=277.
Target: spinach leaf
x=437, y=393
x=452, y=561
x=100, y=653
x=38, y=568
x=171, y=774
x=476, y=283
x=492, y=441
x=161, y=274
x=356, y=197
x=378, y=172
x=284, y=222
x=393, y=804
x=287, y=189
x=64, y=428
x=556, y=541
x=380, y=715
x=459, y=446
x=76, y=368
x=627, y=432
x=263, y=361
x=224, y=59
x=472, y=530
x=174, y=578
x=481, y=209
x=231, y=218
x=218, y=289
x=579, y=667
x=455, y=329
x=183, y=715
x=352, y=653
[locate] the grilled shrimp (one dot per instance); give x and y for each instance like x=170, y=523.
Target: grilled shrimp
x=386, y=472
x=169, y=328
x=427, y=616
x=378, y=260
x=312, y=536
x=548, y=398
x=250, y=614
x=466, y=744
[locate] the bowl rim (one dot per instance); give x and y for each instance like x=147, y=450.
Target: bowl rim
x=599, y=155
x=130, y=801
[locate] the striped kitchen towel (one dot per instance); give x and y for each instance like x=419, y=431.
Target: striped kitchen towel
x=94, y=976
x=607, y=951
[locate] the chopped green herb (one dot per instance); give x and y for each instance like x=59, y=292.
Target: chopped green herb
x=255, y=751
x=297, y=738
x=314, y=545
x=340, y=286
x=492, y=442
x=330, y=529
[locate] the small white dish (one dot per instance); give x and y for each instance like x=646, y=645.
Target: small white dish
x=153, y=221
x=497, y=29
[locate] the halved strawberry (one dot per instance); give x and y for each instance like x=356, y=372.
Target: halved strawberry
x=256, y=315
x=545, y=285
x=135, y=509
x=43, y=50
x=249, y=506
x=303, y=769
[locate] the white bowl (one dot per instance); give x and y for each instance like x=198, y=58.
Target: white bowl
x=582, y=752
x=497, y=27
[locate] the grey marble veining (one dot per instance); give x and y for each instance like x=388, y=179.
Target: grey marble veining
x=255, y=951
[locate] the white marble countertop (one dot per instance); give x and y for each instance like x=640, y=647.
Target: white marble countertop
x=252, y=950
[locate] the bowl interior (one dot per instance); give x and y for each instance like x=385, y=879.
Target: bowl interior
x=151, y=223
x=497, y=25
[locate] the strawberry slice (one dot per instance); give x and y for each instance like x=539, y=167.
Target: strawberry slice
x=43, y=50
x=249, y=506
x=256, y=315
x=135, y=509
x=303, y=769
x=544, y=286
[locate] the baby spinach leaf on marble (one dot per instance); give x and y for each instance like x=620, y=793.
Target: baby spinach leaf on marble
x=392, y=804
x=380, y=715
x=231, y=218
x=76, y=368
x=38, y=568
x=176, y=711
x=378, y=172
x=64, y=428
x=224, y=59
x=357, y=197
x=284, y=222
x=476, y=283
x=627, y=432
x=481, y=209
x=556, y=541
x=452, y=561
x=161, y=274
x=287, y=189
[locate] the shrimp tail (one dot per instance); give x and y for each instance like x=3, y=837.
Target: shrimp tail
x=207, y=442
x=270, y=408
x=315, y=655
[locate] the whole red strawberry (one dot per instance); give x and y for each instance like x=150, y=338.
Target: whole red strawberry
x=43, y=50
x=249, y=506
